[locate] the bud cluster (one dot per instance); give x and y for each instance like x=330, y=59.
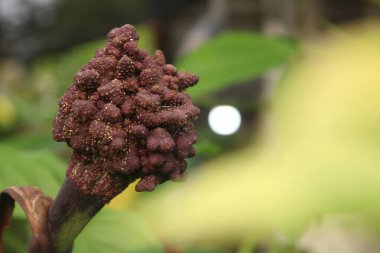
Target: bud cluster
x=126, y=118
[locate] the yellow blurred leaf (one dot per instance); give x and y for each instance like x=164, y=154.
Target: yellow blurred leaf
x=125, y=199
x=7, y=112
x=327, y=112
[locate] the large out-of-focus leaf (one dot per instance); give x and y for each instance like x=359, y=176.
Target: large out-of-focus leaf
x=17, y=236
x=234, y=57
x=40, y=168
x=31, y=141
x=117, y=231
x=325, y=158
x=7, y=113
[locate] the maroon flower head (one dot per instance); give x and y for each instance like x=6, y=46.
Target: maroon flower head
x=126, y=117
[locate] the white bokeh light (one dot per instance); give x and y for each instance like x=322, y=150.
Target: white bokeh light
x=224, y=119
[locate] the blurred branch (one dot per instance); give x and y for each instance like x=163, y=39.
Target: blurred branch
x=205, y=27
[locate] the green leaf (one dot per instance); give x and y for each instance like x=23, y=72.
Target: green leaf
x=31, y=141
x=117, y=231
x=234, y=57
x=40, y=168
x=208, y=147
x=22, y=167
x=206, y=250
x=17, y=236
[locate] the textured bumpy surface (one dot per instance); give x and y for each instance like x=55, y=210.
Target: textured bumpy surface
x=126, y=117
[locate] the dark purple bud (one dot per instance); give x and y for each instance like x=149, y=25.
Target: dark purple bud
x=126, y=118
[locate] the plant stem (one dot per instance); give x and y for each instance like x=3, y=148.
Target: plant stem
x=69, y=214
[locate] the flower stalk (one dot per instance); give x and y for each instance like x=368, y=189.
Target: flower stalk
x=69, y=214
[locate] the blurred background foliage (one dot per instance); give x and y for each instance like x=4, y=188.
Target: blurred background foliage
x=300, y=174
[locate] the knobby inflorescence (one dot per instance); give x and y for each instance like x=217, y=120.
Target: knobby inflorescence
x=126, y=117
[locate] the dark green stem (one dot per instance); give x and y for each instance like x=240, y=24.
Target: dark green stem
x=69, y=214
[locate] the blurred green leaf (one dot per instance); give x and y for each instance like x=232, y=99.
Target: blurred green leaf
x=117, y=231
x=39, y=168
x=17, y=236
x=31, y=141
x=7, y=113
x=234, y=57
x=206, y=250
x=207, y=147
